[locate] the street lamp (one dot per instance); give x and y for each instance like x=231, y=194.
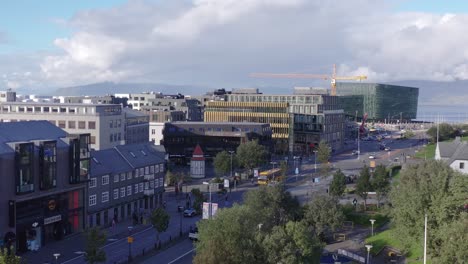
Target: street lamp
x=372, y=223
x=56, y=255
x=130, y=241
x=368, y=253
x=209, y=189
x=315, y=156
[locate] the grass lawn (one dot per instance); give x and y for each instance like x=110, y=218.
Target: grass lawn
x=388, y=238
x=428, y=152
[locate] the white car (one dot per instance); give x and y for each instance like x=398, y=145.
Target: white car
x=371, y=157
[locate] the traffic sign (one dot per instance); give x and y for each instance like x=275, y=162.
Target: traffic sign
x=297, y=171
x=130, y=239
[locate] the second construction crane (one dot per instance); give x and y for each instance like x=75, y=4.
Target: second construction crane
x=332, y=78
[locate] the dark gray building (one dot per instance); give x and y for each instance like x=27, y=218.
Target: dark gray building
x=43, y=175
x=126, y=182
x=136, y=126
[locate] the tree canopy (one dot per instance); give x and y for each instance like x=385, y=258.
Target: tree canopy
x=251, y=154
x=363, y=184
x=267, y=228
x=222, y=162
x=95, y=239
x=446, y=131
x=338, y=184
x=381, y=182
x=323, y=213
x=160, y=220
x=323, y=155
x=431, y=188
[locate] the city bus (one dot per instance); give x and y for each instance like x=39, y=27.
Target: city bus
x=268, y=176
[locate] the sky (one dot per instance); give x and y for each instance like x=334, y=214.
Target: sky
x=217, y=43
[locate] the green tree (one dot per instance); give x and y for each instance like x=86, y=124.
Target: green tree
x=454, y=241
x=95, y=239
x=160, y=220
x=338, y=184
x=198, y=200
x=272, y=205
x=323, y=155
x=431, y=188
x=284, y=170
x=293, y=243
x=6, y=258
x=381, y=182
x=323, y=213
x=251, y=154
x=446, y=131
x=222, y=163
x=363, y=185
x=170, y=178
x=233, y=230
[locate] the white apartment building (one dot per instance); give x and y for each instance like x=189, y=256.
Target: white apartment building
x=105, y=122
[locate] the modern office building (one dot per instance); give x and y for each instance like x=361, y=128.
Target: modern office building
x=126, y=182
x=7, y=96
x=381, y=102
x=181, y=138
x=136, y=126
x=104, y=122
x=298, y=122
x=44, y=172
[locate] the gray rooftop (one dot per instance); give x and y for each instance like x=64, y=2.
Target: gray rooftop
x=133, y=113
x=141, y=155
x=448, y=149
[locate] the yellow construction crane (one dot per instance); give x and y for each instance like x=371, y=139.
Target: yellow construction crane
x=332, y=78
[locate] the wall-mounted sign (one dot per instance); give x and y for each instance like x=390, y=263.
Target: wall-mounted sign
x=52, y=219
x=52, y=205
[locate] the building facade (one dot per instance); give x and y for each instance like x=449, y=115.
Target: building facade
x=105, y=123
x=126, y=182
x=381, y=102
x=44, y=173
x=7, y=96
x=299, y=122
x=136, y=126
x=181, y=138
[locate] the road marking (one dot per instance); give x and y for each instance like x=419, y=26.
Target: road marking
x=125, y=238
x=185, y=254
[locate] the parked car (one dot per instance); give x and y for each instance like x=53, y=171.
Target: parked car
x=193, y=234
x=371, y=157
x=190, y=212
x=387, y=149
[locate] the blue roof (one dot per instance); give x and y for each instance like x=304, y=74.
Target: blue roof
x=107, y=161
x=141, y=155
x=26, y=131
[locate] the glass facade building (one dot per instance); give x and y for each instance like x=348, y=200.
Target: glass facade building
x=380, y=101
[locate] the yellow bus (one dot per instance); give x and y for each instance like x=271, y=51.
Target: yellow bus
x=268, y=176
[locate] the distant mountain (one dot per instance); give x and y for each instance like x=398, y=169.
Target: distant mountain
x=113, y=88
x=438, y=92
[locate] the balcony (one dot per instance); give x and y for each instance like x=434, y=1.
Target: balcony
x=148, y=192
x=148, y=177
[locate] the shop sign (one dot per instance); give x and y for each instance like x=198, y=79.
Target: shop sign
x=52, y=219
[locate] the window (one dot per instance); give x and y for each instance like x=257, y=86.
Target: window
x=93, y=140
x=92, y=200
x=136, y=188
x=91, y=125
x=136, y=173
x=81, y=124
x=151, y=169
x=116, y=178
x=116, y=193
x=111, y=123
x=156, y=168
x=156, y=183
x=72, y=124
x=61, y=124
x=92, y=183
x=24, y=176
x=161, y=167
x=161, y=182
x=122, y=192
x=153, y=132
x=105, y=179
x=142, y=171
x=151, y=184
x=129, y=190
x=462, y=165
x=105, y=197
x=122, y=176
x=147, y=170
x=48, y=165
x=129, y=175
x=140, y=187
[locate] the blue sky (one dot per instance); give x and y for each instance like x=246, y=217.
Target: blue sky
x=29, y=24
x=434, y=6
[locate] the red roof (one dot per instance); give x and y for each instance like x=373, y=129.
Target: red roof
x=198, y=151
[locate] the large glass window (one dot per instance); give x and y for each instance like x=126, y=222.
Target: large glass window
x=79, y=150
x=48, y=165
x=24, y=161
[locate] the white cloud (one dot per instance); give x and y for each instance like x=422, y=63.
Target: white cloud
x=219, y=42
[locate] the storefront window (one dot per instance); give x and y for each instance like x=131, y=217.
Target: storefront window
x=24, y=160
x=48, y=163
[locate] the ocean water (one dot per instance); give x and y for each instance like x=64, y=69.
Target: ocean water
x=444, y=113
